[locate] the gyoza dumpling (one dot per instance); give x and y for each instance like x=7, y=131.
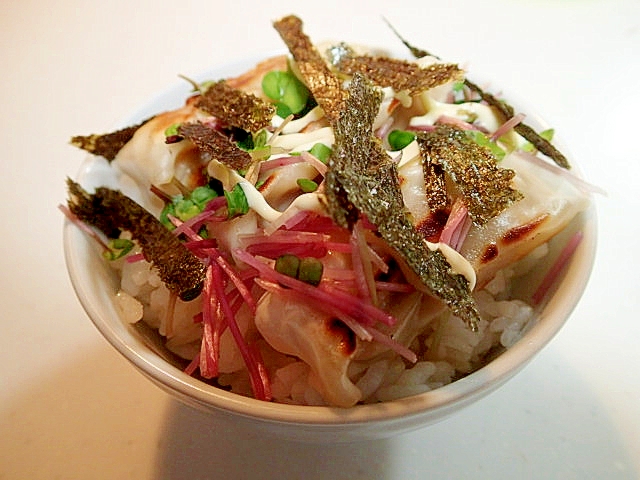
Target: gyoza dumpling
x=550, y=203
x=321, y=341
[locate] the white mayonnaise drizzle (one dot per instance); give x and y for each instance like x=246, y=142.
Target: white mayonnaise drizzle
x=471, y=112
x=459, y=264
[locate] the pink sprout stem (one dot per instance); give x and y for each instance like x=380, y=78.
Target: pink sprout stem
x=554, y=272
x=259, y=381
x=348, y=304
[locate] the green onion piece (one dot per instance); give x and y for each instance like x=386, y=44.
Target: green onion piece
x=244, y=140
x=457, y=86
x=237, y=203
x=398, y=139
x=172, y=130
x=169, y=209
x=306, y=185
x=288, y=265
x=289, y=93
x=118, y=248
x=255, y=144
x=202, y=195
x=310, y=271
x=484, y=141
x=321, y=152
x=203, y=232
x=186, y=209
x=260, y=153
x=260, y=138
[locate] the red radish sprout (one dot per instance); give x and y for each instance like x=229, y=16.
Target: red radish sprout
x=563, y=172
x=451, y=231
x=259, y=382
x=456, y=122
x=268, y=165
x=314, y=162
x=383, y=339
x=134, y=257
x=169, y=314
x=348, y=304
x=506, y=126
x=557, y=267
x=83, y=226
x=364, y=275
x=210, y=347
x=327, y=308
x=276, y=249
x=421, y=128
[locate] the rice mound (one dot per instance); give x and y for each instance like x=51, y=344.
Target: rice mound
x=447, y=349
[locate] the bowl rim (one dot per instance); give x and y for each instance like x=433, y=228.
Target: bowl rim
x=435, y=403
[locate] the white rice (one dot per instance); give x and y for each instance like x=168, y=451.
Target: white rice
x=447, y=349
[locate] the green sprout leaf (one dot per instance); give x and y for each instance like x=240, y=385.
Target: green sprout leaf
x=484, y=141
x=202, y=195
x=237, y=203
x=172, y=130
x=399, y=139
x=118, y=248
x=289, y=94
x=306, y=185
x=321, y=152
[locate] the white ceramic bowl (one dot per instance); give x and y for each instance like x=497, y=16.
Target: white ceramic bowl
x=95, y=285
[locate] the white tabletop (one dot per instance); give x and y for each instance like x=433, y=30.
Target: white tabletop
x=71, y=407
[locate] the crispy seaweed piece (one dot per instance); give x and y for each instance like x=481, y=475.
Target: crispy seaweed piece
x=106, y=145
x=110, y=210
x=400, y=74
x=435, y=183
x=213, y=144
x=362, y=178
x=415, y=51
x=325, y=87
x=236, y=108
x=542, y=144
x=485, y=187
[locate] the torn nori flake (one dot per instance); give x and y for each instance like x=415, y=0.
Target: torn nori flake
x=435, y=184
x=542, y=144
x=415, y=51
x=400, y=74
x=362, y=178
x=214, y=144
x=106, y=145
x=325, y=87
x=110, y=210
x=236, y=108
x=485, y=187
